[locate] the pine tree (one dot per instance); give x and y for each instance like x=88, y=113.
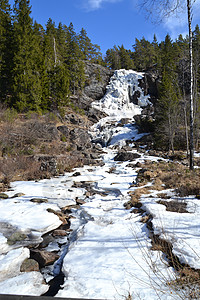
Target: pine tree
x=157, y=56
x=56, y=70
x=50, y=45
x=85, y=44
x=61, y=46
x=88, y=50
x=6, y=51
x=167, y=53
x=112, y=58
x=38, y=67
x=144, y=54
x=125, y=58
x=73, y=60
x=168, y=110
x=59, y=87
x=27, y=86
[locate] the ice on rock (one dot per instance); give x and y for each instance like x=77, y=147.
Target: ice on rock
x=123, y=84
x=10, y=263
x=28, y=216
x=117, y=104
x=31, y=283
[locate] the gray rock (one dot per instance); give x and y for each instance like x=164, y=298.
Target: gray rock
x=126, y=156
x=39, y=200
x=97, y=78
x=29, y=265
x=17, y=236
x=80, y=137
x=64, y=130
x=48, y=163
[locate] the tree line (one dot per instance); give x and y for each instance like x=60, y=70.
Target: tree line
x=40, y=67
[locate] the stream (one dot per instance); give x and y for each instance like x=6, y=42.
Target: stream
x=107, y=253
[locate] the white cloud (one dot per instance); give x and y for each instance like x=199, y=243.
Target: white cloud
x=96, y=4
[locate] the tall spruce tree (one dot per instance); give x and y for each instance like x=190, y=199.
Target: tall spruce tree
x=125, y=58
x=167, y=54
x=56, y=70
x=144, y=54
x=112, y=58
x=168, y=110
x=73, y=59
x=6, y=51
x=26, y=85
x=50, y=45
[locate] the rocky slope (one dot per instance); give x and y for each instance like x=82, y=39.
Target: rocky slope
x=34, y=146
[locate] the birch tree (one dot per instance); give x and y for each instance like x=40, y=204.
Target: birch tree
x=164, y=9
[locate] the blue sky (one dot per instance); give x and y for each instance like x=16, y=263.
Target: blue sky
x=109, y=22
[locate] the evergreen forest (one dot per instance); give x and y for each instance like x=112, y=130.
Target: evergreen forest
x=41, y=67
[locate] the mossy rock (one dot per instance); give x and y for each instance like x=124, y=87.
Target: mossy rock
x=3, y=196
x=39, y=200
x=16, y=237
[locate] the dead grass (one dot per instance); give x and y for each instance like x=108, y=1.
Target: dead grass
x=27, y=137
x=178, y=206
x=170, y=175
x=135, y=198
x=176, y=176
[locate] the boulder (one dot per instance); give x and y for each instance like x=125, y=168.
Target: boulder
x=48, y=163
x=44, y=258
x=37, y=129
x=59, y=232
x=39, y=200
x=64, y=130
x=3, y=196
x=15, y=237
x=61, y=215
x=29, y=265
x=81, y=138
x=126, y=156
x=97, y=78
x=80, y=201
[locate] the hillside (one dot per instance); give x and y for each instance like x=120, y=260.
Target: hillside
x=55, y=142
x=125, y=226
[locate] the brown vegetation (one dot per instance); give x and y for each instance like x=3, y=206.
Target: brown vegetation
x=170, y=175
x=33, y=147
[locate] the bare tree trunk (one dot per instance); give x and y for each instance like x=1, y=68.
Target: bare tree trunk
x=186, y=124
x=191, y=89
x=55, y=54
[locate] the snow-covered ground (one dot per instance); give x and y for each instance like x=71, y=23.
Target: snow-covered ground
x=111, y=256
